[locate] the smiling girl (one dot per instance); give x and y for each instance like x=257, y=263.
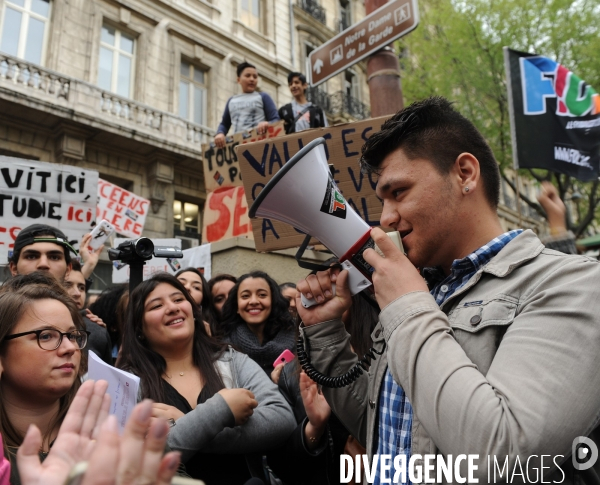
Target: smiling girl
x=220, y=405
x=256, y=319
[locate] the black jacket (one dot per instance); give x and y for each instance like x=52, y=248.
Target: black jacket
x=98, y=340
x=316, y=117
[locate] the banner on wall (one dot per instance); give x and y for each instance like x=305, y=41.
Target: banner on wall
x=123, y=209
x=34, y=192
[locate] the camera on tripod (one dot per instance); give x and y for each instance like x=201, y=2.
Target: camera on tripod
x=135, y=253
x=142, y=249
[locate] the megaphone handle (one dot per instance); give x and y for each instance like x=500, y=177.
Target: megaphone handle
x=308, y=302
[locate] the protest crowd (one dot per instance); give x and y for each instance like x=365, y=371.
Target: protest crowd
x=482, y=342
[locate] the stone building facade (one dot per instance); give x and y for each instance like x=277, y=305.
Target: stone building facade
x=132, y=88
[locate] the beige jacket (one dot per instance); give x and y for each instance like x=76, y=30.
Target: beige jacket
x=509, y=366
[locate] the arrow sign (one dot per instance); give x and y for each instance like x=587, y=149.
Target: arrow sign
x=380, y=28
x=318, y=65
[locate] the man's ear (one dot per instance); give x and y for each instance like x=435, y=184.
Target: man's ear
x=68, y=272
x=467, y=171
x=13, y=268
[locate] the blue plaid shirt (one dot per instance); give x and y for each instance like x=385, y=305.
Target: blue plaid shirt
x=395, y=411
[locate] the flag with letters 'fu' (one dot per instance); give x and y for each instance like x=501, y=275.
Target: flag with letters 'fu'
x=555, y=117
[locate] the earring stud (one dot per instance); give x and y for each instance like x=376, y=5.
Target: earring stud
x=466, y=189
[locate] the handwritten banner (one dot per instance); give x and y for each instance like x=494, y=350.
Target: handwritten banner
x=123, y=209
x=33, y=192
x=226, y=215
x=221, y=166
x=261, y=160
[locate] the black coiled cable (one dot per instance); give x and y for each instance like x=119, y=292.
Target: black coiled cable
x=339, y=381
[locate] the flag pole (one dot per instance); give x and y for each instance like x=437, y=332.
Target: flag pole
x=519, y=199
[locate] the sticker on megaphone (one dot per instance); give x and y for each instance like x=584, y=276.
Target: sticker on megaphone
x=357, y=282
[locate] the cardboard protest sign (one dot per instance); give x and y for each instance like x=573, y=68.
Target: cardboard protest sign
x=221, y=167
x=123, y=209
x=44, y=193
x=120, y=272
x=261, y=160
x=225, y=215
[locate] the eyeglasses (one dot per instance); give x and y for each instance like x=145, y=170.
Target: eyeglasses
x=50, y=338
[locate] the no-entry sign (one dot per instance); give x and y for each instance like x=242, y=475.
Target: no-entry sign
x=378, y=29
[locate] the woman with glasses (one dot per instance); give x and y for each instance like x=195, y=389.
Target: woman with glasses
x=41, y=337
x=224, y=411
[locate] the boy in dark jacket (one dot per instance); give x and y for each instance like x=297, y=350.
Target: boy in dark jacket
x=300, y=114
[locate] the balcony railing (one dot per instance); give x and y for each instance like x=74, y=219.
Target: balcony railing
x=314, y=9
x=338, y=103
x=92, y=105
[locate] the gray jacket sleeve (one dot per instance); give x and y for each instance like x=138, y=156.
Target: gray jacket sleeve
x=270, y=425
x=331, y=355
x=541, y=390
x=193, y=430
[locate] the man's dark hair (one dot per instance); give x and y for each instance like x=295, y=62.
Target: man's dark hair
x=299, y=75
x=432, y=129
x=75, y=265
x=243, y=65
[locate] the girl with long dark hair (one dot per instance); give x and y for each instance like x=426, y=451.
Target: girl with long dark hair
x=257, y=320
x=221, y=407
x=196, y=285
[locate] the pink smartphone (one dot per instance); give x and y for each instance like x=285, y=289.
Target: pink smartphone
x=285, y=357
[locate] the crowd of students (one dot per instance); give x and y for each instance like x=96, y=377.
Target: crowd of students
x=488, y=344
x=204, y=353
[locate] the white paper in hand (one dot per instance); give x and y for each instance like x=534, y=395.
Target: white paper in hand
x=122, y=387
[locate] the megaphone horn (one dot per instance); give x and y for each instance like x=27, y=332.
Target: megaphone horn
x=303, y=194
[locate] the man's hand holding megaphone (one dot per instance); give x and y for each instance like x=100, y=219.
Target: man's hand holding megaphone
x=394, y=277
x=331, y=302
x=394, y=274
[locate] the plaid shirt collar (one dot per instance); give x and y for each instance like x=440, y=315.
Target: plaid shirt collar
x=442, y=286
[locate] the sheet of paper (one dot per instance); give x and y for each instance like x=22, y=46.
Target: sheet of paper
x=122, y=387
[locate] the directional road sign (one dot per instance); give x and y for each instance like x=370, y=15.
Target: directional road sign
x=378, y=29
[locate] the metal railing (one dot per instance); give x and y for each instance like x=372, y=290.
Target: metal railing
x=338, y=103
x=37, y=83
x=313, y=8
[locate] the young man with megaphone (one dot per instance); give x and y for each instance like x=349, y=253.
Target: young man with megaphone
x=491, y=340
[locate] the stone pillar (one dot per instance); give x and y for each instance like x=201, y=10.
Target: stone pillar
x=161, y=175
x=383, y=75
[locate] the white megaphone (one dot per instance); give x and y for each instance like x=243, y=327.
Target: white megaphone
x=303, y=194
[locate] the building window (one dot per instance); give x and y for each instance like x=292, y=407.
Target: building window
x=186, y=222
x=251, y=14
x=352, y=87
x=192, y=93
x=345, y=15
x=115, y=70
x=24, y=29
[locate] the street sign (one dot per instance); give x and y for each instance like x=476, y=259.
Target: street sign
x=378, y=29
